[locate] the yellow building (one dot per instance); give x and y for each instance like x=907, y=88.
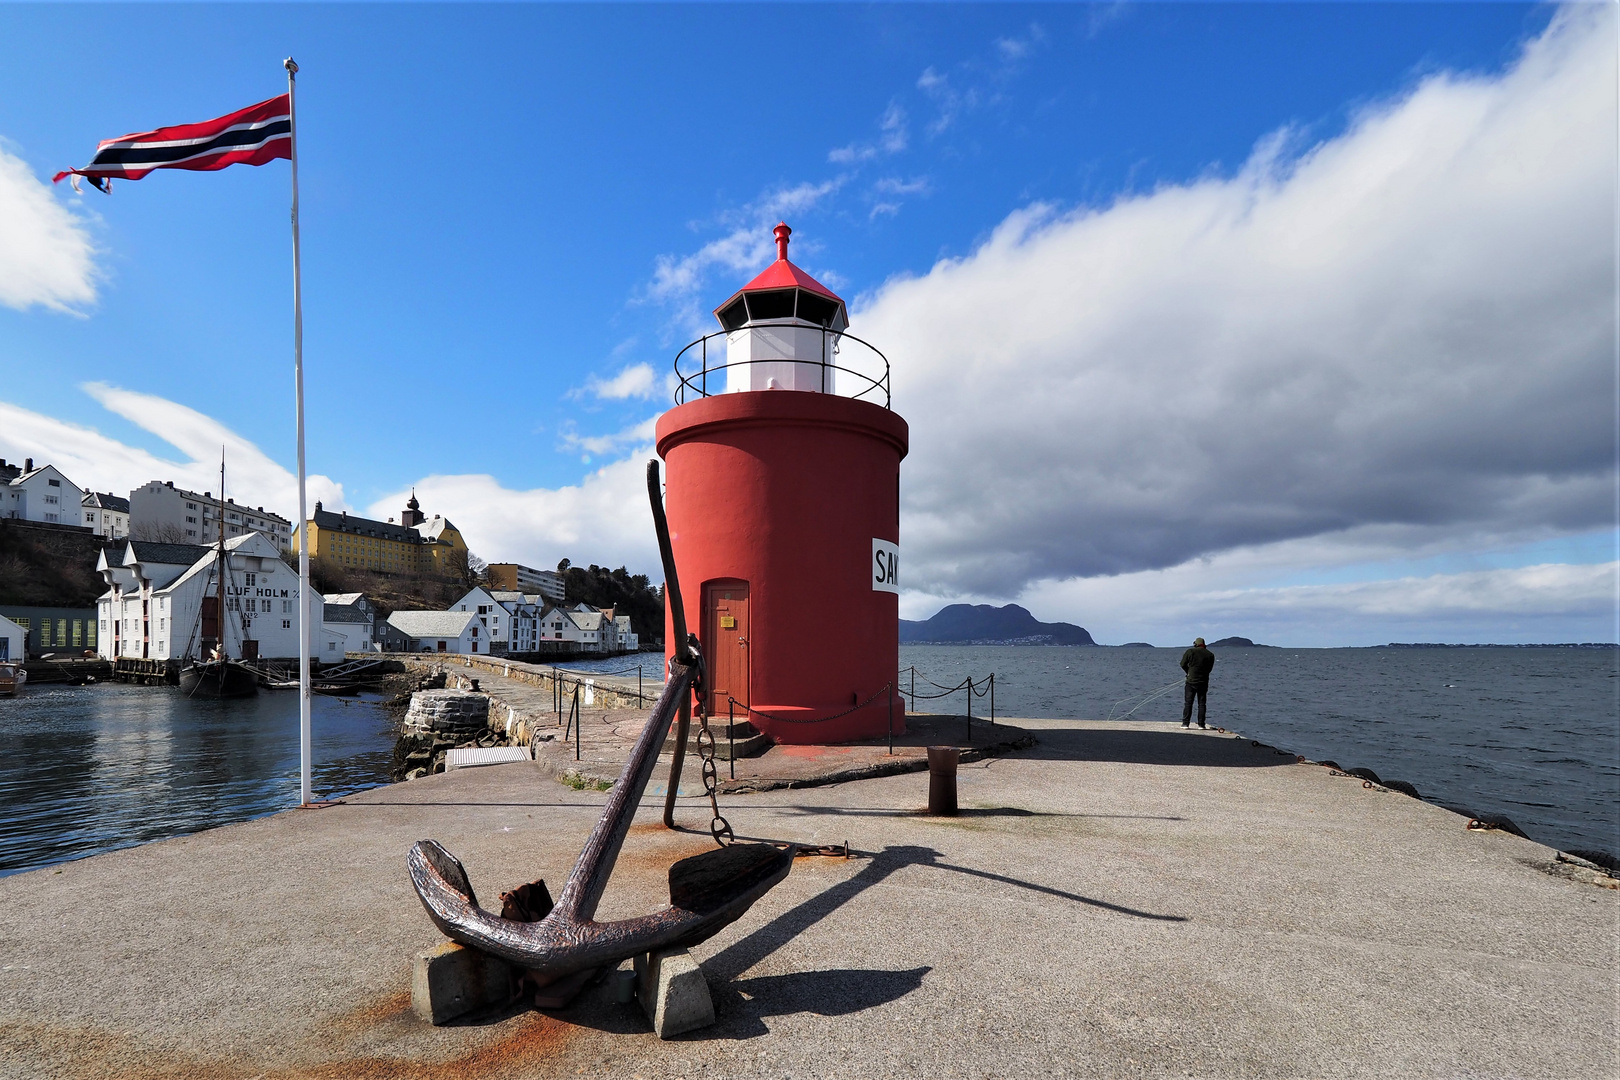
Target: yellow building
x=416, y=545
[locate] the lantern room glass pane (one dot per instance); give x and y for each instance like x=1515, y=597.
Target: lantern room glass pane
x=816, y=309
x=734, y=314
x=776, y=304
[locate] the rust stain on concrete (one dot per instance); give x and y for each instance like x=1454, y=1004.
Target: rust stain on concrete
x=530, y=1047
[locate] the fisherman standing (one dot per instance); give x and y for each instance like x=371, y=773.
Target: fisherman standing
x=1196, y=662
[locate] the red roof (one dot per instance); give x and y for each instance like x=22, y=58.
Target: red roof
x=782, y=274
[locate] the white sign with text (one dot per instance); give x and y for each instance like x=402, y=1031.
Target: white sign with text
x=885, y=566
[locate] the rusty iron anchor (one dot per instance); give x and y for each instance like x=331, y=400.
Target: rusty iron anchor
x=706, y=892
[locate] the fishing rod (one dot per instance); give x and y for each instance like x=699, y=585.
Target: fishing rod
x=1151, y=695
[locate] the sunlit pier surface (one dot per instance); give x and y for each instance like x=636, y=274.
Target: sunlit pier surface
x=1120, y=899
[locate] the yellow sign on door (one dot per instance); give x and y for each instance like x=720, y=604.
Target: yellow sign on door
x=728, y=622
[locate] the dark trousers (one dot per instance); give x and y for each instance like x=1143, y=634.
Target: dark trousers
x=1202, y=694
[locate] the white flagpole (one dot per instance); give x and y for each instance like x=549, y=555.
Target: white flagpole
x=304, y=604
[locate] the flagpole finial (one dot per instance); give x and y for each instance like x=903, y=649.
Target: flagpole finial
x=291, y=65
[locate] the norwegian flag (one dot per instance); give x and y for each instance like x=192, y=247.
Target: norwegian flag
x=250, y=136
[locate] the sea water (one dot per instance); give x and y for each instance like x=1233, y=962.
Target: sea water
x=1532, y=733
x=87, y=769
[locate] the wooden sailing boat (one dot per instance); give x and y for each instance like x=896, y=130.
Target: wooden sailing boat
x=215, y=674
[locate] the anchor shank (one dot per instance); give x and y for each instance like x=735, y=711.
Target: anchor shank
x=590, y=874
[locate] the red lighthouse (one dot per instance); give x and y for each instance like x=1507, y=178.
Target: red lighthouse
x=784, y=511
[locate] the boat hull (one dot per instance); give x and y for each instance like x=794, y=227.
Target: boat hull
x=220, y=679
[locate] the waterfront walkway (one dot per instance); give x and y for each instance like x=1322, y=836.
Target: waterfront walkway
x=1119, y=900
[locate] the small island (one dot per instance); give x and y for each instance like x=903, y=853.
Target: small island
x=981, y=624
x=1237, y=643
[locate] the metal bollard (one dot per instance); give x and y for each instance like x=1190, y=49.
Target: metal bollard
x=942, y=761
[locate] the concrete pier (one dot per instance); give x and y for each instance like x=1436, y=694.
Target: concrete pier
x=1119, y=900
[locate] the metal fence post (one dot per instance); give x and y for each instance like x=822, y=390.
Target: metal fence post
x=891, y=723
x=731, y=733
x=969, y=685
x=992, y=699
x=578, y=722
x=913, y=687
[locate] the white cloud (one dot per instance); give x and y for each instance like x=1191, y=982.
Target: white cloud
x=635, y=381
x=604, y=519
x=747, y=245
x=1013, y=49
x=1367, y=586
x=1408, y=325
x=893, y=185
x=46, y=256
x=635, y=435
x=948, y=100
x=1550, y=589
x=101, y=463
x=893, y=137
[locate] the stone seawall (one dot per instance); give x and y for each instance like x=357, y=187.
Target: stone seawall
x=517, y=705
x=608, y=692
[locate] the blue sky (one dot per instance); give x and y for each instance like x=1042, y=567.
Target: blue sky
x=509, y=210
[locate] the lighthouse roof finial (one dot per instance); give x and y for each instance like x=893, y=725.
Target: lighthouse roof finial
x=782, y=232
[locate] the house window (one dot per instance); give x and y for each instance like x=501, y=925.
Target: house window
x=190, y=506
x=252, y=579
x=286, y=624
x=52, y=500
x=190, y=520
x=54, y=483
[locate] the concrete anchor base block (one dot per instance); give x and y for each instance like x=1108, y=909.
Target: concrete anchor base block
x=451, y=981
x=673, y=992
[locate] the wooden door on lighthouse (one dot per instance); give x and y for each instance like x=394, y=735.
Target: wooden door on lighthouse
x=725, y=643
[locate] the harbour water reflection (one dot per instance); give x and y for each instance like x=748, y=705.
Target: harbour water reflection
x=92, y=768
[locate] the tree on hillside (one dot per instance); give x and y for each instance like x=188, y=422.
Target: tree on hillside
x=159, y=532
x=467, y=568
x=626, y=593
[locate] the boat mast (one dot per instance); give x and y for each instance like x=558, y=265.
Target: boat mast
x=219, y=562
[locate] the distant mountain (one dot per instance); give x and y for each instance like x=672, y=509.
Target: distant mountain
x=1236, y=643
x=1136, y=645
x=981, y=624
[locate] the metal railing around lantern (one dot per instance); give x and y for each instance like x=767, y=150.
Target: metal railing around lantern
x=693, y=380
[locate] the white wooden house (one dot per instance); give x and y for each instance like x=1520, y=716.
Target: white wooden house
x=41, y=494
x=441, y=631
x=12, y=637
x=158, y=609
x=510, y=621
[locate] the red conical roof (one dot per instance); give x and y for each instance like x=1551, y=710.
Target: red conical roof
x=782, y=274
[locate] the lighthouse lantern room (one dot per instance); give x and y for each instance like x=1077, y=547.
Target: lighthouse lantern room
x=783, y=499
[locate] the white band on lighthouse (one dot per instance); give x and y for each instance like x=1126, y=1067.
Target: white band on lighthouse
x=885, y=566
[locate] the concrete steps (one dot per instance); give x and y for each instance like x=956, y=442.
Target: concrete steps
x=745, y=740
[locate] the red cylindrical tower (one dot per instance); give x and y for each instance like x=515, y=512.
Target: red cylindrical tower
x=784, y=511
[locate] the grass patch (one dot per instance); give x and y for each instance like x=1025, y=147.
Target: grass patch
x=584, y=783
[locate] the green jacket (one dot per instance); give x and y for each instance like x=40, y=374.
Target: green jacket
x=1197, y=662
